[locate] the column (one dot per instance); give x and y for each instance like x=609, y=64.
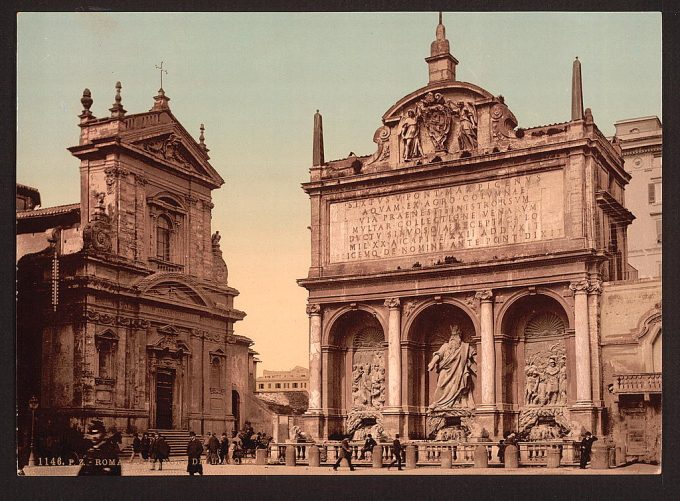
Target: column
x=582, y=343
x=314, y=312
x=394, y=353
x=488, y=369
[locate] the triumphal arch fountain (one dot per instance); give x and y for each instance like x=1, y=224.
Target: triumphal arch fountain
x=455, y=279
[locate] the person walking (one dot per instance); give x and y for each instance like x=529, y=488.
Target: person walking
x=346, y=453
x=146, y=442
x=194, y=451
x=136, y=447
x=586, y=448
x=161, y=451
x=396, y=452
x=368, y=446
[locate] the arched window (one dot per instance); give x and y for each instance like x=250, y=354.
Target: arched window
x=163, y=238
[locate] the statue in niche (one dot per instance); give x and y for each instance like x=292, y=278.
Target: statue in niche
x=410, y=136
x=453, y=362
x=467, y=134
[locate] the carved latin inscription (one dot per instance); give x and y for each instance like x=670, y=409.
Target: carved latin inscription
x=514, y=210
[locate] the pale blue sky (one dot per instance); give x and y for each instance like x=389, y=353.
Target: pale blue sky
x=255, y=80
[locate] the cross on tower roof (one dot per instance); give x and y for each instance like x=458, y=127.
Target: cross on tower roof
x=160, y=68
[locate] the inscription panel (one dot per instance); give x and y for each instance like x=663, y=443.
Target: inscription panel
x=519, y=209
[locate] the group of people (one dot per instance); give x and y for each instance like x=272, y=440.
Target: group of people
x=346, y=452
x=223, y=450
x=585, y=447
x=151, y=446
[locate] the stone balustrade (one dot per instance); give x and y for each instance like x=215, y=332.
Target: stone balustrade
x=649, y=382
x=429, y=453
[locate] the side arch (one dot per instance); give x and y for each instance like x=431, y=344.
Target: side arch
x=499, y=313
x=328, y=324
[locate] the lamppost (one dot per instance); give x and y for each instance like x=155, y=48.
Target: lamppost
x=33, y=404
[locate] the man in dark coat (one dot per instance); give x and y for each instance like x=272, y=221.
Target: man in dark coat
x=136, y=447
x=102, y=456
x=586, y=448
x=368, y=446
x=224, y=449
x=396, y=452
x=146, y=443
x=213, y=448
x=161, y=452
x=194, y=451
x=345, y=452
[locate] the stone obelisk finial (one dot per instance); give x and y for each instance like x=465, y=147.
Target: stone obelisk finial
x=576, y=92
x=317, y=156
x=441, y=64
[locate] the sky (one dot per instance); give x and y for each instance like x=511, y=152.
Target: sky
x=255, y=81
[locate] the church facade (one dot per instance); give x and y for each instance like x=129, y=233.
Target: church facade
x=458, y=274
x=124, y=309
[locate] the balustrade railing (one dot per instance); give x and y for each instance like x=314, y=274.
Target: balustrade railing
x=649, y=382
x=429, y=453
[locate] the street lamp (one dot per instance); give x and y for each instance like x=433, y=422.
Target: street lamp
x=33, y=404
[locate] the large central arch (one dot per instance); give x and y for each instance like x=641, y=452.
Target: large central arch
x=428, y=329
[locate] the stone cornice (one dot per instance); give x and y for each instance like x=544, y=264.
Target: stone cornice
x=464, y=268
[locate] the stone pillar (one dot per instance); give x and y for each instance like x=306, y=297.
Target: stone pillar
x=314, y=312
x=411, y=456
x=394, y=353
x=599, y=458
x=511, y=456
x=314, y=456
x=446, y=458
x=481, y=457
x=290, y=455
x=488, y=369
x=582, y=344
x=376, y=456
x=554, y=456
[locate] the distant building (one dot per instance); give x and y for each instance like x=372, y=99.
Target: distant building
x=641, y=145
x=295, y=379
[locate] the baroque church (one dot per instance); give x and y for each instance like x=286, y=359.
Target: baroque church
x=470, y=278
x=125, y=313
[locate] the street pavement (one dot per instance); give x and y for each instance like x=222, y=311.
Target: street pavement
x=178, y=467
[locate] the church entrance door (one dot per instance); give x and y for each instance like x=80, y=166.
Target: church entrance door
x=164, y=386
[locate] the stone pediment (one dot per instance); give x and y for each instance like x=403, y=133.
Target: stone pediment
x=454, y=91
x=166, y=140
x=169, y=342
x=436, y=123
x=176, y=291
x=175, y=287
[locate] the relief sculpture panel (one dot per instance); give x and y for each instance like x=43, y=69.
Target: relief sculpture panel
x=545, y=392
x=368, y=394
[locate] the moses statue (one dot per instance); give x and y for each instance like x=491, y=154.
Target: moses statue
x=453, y=362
